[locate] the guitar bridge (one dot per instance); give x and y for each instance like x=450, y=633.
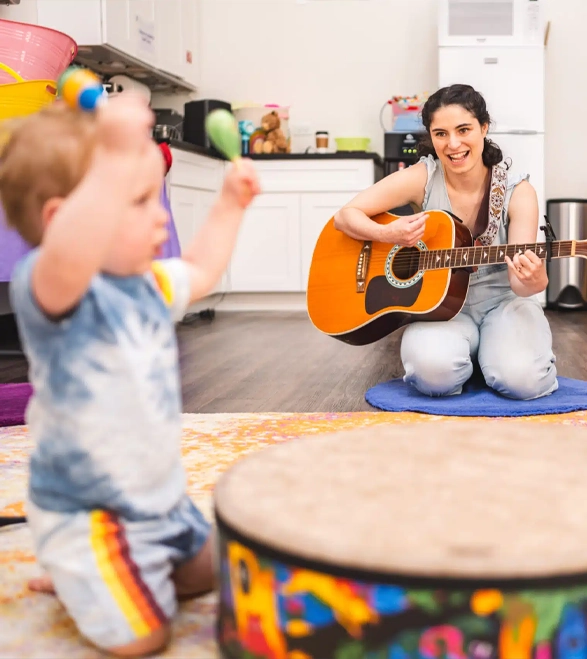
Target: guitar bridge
x=363, y=266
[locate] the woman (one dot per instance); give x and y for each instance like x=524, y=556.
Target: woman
x=502, y=325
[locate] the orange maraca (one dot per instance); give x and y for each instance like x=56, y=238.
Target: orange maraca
x=81, y=89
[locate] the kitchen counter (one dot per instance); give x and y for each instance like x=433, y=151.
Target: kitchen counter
x=338, y=155
x=192, y=148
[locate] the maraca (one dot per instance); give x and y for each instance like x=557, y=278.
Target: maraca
x=81, y=89
x=223, y=130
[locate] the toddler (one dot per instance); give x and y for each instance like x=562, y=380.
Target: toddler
x=112, y=524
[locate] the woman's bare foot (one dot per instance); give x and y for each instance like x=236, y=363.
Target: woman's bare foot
x=42, y=584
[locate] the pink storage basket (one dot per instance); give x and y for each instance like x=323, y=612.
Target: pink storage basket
x=34, y=52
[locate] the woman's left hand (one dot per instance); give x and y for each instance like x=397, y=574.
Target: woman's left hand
x=529, y=270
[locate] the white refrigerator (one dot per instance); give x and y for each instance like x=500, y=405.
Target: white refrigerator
x=511, y=79
x=497, y=47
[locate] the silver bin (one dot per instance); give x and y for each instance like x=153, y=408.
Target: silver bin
x=567, y=286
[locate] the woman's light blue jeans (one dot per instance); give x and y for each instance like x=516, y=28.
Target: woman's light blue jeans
x=508, y=335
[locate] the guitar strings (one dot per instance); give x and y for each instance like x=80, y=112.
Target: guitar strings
x=509, y=249
x=412, y=259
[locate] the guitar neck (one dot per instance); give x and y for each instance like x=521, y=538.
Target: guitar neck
x=464, y=257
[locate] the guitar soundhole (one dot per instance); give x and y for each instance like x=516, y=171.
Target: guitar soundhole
x=405, y=263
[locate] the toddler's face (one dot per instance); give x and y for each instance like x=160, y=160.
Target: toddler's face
x=143, y=231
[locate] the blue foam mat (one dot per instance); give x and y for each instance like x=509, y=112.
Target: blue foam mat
x=477, y=400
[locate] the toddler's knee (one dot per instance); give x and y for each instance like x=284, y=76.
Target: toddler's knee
x=155, y=642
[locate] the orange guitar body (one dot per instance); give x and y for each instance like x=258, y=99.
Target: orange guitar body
x=359, y=292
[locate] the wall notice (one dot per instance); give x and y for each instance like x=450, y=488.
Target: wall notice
x=145, y=38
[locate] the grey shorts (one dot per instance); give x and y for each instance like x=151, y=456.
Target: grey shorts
x=113, y=575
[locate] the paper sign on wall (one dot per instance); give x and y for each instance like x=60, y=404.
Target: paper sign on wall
x=145, y=37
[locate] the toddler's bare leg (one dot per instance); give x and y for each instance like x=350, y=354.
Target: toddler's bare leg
x=42, y=584
x=196, y=576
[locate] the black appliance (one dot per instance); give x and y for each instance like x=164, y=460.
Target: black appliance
x=194, y=122
x=168, y=125
x=400, y=150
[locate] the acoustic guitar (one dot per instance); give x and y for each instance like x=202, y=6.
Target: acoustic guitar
x=360, y=291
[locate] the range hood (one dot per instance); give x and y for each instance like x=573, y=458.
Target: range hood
x=108, y=61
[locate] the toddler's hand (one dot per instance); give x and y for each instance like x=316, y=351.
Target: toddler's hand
x=241, y=184
x=124, y=125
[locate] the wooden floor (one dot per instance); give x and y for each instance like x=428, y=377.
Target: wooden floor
x=278, y=362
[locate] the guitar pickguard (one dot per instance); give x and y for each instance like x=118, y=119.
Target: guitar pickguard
x=381, y=295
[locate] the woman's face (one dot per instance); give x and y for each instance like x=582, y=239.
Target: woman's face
x=458, y=138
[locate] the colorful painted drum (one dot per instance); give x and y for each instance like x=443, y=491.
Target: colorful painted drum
x=443, y=540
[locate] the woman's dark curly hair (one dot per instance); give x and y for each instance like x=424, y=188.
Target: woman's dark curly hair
x=468, y=99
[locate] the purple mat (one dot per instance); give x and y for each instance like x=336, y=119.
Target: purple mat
x=14, y=399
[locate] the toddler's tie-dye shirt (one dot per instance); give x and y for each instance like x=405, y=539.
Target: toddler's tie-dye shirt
x=106, y=410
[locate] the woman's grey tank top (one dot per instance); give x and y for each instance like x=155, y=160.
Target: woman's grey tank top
x=436, y=197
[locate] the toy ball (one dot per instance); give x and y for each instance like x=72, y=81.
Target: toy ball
x=81, y=89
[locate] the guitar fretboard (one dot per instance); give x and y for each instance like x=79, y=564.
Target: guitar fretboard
x=463, y=257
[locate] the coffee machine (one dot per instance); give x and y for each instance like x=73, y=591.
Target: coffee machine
x=400, y=150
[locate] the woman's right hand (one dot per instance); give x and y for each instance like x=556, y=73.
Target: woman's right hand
x=405, y=231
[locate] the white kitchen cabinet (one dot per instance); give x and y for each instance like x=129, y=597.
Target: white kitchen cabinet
x=82, y=21
x=192, y=170
x=177, y=24
x=160, y=33
x=127, y=25
x=190, y=208
x=194, y=185
x=130, y=26
x=276, y=240
x=207, y=199
x=267, y=252
x=25, y=12
x=185, y=207
x=278, y=235
x=316, y=209
x=315, y=175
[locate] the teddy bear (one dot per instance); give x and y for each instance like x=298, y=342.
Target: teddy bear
x=275, y=141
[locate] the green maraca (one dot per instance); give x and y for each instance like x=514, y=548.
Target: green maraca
x=223, y=131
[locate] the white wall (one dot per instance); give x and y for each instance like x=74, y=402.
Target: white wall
x=566, y=100
x=336, y=77
x=337, y=61
x=334, y=62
